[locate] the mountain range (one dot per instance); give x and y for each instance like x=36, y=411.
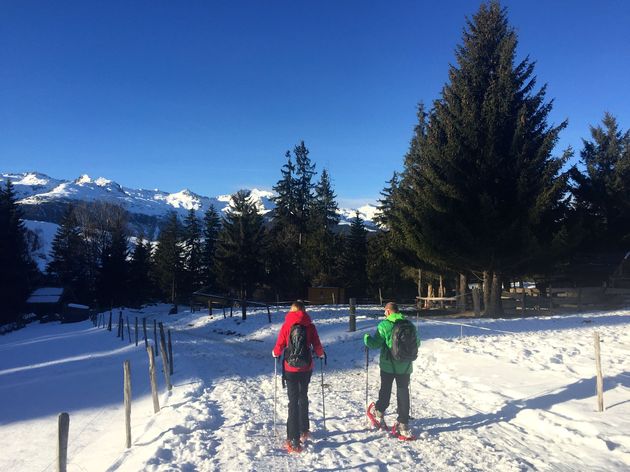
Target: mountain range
x=44, y=199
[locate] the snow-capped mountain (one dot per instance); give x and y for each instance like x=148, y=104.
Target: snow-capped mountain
x=44, y=198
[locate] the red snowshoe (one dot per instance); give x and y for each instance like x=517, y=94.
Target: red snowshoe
x=293, y=447
x=403, y=434
x=378, y=423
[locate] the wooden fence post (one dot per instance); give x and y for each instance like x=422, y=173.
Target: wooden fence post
x=127, y=392
x=268, y=314
x=136, y=331
x=62, y=443
x=157, y=347
x=353, y=317
x=600, y=377
x=170, y=352
x=128, y=331
x=144, y=329
x=165, y=367
x=163, y=338
x=109, y=326
x=154, y=390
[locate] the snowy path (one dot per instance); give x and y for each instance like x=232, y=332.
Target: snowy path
x=518, y=397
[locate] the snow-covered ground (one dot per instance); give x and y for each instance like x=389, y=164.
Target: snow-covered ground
x=517, y=395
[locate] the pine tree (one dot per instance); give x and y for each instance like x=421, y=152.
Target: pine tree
x=168, y=259
x=113, y=278
x=387, y=204
x=192, y=248
x=355, y=258
x=284, y=255
x=211, y=227
x=140, y=284
x=285, y=212
x=481, y=190
x=16, y=266
x=68, y=265
x=240, y=246
x=602, y=192
x=385, y=270
x=304, y=172
x=321, y=242
x=324, y=207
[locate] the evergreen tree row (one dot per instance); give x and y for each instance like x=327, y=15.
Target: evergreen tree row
x=18, y=273
x=482, y=192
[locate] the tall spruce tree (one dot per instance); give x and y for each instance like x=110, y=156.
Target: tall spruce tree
x=211, y=227
x=68, y=265
x=285, y=212
x=481, y=190
x=304, y=172
x=385, y=269
x=16, y=266
x=168, y=259
x=321, y=241
x=285, y=261
x=192, y=247
x=355, y=258
x=240, y=246
x=387, y=203
x=113, y=278
x=602, y=192
x=140, y=284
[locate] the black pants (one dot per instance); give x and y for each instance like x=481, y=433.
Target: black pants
x=402, y=394
x=297, y=389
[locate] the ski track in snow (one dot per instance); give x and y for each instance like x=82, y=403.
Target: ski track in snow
x=487, y=401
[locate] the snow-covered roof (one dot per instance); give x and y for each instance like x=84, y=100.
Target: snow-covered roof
x=46, y=295
x=76, y=305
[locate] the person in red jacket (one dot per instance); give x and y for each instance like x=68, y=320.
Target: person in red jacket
x=297, y=337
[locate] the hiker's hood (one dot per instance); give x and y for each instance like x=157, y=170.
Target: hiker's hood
x=298, y=317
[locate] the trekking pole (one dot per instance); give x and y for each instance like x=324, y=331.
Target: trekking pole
x=367, y=364
x=275, y=392
x=321, y=365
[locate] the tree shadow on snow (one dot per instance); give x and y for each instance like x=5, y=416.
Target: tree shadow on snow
x=584, y=388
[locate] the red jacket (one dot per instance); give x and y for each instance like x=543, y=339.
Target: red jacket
x=312, y=338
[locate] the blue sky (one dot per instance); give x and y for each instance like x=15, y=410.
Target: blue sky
x=208, y=95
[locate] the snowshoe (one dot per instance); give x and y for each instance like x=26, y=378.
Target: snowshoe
x=293, y=446
x=376, y=417
x=402, y=432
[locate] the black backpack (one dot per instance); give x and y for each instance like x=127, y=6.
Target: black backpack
x=297, y=353
x=404, y=341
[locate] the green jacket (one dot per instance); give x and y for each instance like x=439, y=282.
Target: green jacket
x=383, y=340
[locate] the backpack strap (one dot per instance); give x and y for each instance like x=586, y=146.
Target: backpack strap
x=284, y=377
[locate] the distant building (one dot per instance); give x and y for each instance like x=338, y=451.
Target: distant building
x=56, y=303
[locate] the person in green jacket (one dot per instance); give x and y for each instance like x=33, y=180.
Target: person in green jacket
x=391, y=370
